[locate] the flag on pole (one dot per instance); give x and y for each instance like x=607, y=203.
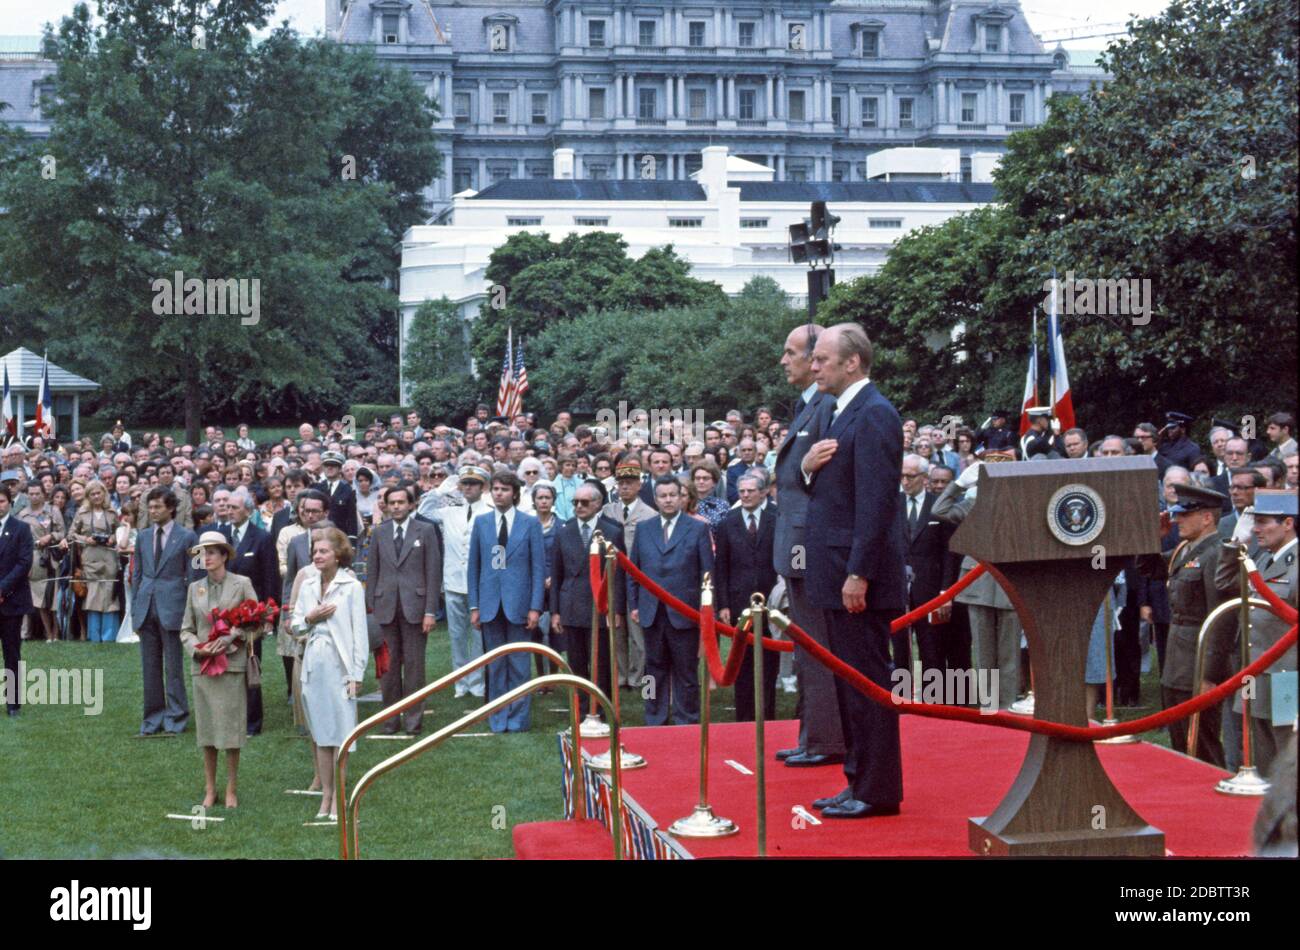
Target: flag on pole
x=44, y=404
x=7, y=409
x=1062, y=404
x=521, y=381
x=1030, y=399
x=506, y=391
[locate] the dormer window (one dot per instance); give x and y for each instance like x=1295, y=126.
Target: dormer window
x=391, y=21
x=798, y=36
x=595, y=32
x=866, y=37
x=390, y=27
x=991, y=30
x=870, y=44
x=501, y=32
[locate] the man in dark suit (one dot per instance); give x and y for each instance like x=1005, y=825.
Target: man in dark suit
x=16, y=548
x=660, y=461
x=856, y=555
x=674, y=551
x=934, y=568
x=255, y=559
x=158, y=590
x=343, y=500
x=294, y=482
x=403, y=581
x=821, y=736
x=742, y=562
x=570, y=595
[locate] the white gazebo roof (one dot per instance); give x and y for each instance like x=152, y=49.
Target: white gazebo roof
x=25, y=369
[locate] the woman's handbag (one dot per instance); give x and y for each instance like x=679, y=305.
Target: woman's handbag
x=78, y=583
x=254, y=669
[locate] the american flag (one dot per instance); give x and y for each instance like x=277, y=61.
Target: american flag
x=506, y=391
x=521, y=381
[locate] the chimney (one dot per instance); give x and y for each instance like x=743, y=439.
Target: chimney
x=712, y=176
x=563, y=164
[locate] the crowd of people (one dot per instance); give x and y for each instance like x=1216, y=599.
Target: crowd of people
x=370, y=537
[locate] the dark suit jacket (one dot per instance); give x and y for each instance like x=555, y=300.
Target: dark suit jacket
x=165, y=585
x=570, y=595
x=647, y=491
x=792, y=493
x=255, y=559
x=742, y=565
x=678, y=568
x=16, y=548
x=343, y=506
x=410, y=578
x=283, y=518
x=854, y=523
x=933, y=566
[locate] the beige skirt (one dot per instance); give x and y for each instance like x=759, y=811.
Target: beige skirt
x=221, y=710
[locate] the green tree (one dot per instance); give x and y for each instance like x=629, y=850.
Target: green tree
x=437, y=362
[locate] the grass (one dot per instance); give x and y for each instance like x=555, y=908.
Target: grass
x=89, y=790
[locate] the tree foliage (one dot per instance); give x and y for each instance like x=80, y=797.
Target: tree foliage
x=437, y=362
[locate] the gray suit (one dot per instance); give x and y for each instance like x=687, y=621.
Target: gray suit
x=629, y=643
x=820, y=729
x=993, y=619
x=158, y=592
x=402, y=588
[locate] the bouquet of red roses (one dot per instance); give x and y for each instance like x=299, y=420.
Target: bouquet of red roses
x=248, y=614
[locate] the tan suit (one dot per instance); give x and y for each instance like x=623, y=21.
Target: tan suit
x=630, y=641
x=48, y=523
x=220, y=702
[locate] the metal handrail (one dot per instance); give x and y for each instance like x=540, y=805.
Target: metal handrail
x=350, y=814
x=341, y=758
x=1198, y=666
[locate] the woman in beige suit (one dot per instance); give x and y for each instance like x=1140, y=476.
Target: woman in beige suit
x=93, y=528
x=220, y=702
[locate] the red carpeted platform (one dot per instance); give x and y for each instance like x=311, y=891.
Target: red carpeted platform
x=951, y=772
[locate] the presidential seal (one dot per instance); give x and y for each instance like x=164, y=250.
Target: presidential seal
x=1075, y=514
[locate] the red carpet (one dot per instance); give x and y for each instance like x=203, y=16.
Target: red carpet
x=951, y=772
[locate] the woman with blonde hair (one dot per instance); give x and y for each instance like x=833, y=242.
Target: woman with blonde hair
x=94, y=529
x=331, y=613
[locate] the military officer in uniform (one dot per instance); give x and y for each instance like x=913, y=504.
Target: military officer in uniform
x=995, y=435
x=1040, y=441
x=1193, y=593
x=1272, y=521
x=1173, y=446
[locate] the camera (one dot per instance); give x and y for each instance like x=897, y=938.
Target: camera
x=101, y=538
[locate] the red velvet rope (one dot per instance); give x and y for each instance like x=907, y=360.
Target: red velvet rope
x=598, y=585
x=882, y=696
x=965, y=581
x=722, y=675
x=1280, y=606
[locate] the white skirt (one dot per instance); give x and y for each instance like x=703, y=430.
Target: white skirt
x=331, y=715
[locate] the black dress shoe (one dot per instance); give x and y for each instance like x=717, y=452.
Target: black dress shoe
x=852, y=808
x=13, y=711
x=787, y=753
x=806, y=760
x=823, y=803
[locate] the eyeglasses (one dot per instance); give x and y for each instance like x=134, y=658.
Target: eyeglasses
x=584, y=501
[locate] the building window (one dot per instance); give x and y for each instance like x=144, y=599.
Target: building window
x=462, y=179
x=755, y=223
x=888, y=224
x=870, y=44
x=646, y=32
x=870, y=115
x=597, y=172
x=992, y=39
x=798, y=36
x=539, y=170
x=591, y=222
x=798, y=173
x=695, y=33
x=745, y=34
x=796, y=111
x=646, y=105
x=523, y=222
x=694, y=162
x=596, y=103
x=686, y=222
x=837, y=110
x=746, y=99
x=697, y=103
x=968, y=107
x=499, y=173
x=1017, y=108
x=539, y=108
x=595, y=32
x=390, y=27
x=965, y=168
x=500, y=108
x=905, y=120
x=460, y=105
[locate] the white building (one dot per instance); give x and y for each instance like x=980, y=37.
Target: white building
x=730, y=223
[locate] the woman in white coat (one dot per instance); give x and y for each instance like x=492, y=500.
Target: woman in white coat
x=331, y=613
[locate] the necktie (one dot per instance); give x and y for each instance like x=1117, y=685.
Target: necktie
x=503, y=534
x=586, y=535
x=469, y=513
x=753, y=527
x=911, y=514
x=157, y=546
x=627, y=513
x=667, y=525
x=397, y=537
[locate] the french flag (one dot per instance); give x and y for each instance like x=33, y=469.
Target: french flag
x=1062, y=405
x=1030, y=399
x=7, y=416
x=44, y=404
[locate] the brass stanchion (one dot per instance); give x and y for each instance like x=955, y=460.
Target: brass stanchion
x=593, y=727
x=1110, y=720
x=627, y=760
x=758, y=609
x=702, y=823
x=1247, y=781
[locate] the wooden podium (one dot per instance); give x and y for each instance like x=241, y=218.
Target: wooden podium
x=1055, y=534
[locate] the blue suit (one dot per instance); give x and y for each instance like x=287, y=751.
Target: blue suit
x=16, y=548
x=671, y=640
x=503, y=588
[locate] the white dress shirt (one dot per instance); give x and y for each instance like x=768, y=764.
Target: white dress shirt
x=841, y=402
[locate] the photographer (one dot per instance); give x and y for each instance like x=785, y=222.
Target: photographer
x=93, y=529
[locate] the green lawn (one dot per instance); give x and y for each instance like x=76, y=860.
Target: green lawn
x=81, y=786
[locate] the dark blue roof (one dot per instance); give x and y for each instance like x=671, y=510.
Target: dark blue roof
x=873, y=191
x=564, y=189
